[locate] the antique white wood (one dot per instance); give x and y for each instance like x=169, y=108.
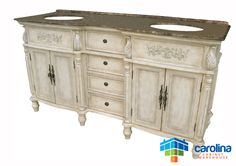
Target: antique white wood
x=147, y=83
x=180, y=114
x=121, y=74
x=40, y=69
x=65, y=93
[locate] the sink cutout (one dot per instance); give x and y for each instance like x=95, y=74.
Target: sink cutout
x=172, y=27
x=63, y=18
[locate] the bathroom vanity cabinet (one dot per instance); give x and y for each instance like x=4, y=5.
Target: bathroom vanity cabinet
x=160, y=81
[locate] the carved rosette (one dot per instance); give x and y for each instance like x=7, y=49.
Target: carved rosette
x=128, y=47
x=25, y=37
x=77, y=42
x=212, y=59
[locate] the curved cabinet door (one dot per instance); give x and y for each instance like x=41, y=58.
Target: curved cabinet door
x=147, y=82
x=183, y=92
x=65, y=90
x=40, y=60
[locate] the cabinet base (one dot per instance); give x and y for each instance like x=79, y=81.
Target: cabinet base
x=127, y=130
x=82, y=119
x=35, y=104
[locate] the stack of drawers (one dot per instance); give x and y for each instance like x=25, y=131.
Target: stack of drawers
x=105, y=72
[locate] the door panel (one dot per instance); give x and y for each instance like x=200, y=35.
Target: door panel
x=40, y=66
x=147, y=82
x=65, y=90
x=179, y=117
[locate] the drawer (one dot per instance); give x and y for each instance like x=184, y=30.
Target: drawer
x=105, y=41
x=106, y=85
x=47, y=37
x=105, y=64
x=168, y=51
x=106, y=104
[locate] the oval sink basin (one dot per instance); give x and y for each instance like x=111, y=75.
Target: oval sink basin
x=172, y=27
x=63, y=18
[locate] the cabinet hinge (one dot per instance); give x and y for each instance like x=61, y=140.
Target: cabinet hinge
x=194, y=127
x=74, y=64
x=201, y=87
x=30, y=56
x=77, y=99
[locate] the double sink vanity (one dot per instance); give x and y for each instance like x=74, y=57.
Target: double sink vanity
x=128, y=67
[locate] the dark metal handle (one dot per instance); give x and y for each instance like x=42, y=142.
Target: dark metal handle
x=106, y=104
x=104, y=40
x=53, y=76
x=160, y=96
x=50, y=73
x=105, y=83
x=105, y=62
x=165, y=98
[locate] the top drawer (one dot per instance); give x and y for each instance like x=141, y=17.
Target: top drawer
x=168, y=51
x=105, y=41
x=48, y=37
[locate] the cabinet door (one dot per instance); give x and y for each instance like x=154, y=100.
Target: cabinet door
x=65, y=90
x=147, y=83
x=179, y=116
x=40, y=66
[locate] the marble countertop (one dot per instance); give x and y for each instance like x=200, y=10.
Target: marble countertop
x=212, y=30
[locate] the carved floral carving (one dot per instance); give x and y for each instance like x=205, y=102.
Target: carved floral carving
x=25, y=37
x=51, y=38
x=211, y=58
x=167, y=52
x=128, y=47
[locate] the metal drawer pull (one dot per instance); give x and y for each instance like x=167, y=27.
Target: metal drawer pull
x=106, y=104
x=105, y=62
x=53, y=76
x=105, y=83
x=104, y=40
x=50, y=73
x=160, y=96
x=165, y=98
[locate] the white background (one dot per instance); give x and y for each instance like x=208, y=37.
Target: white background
x=53, y=136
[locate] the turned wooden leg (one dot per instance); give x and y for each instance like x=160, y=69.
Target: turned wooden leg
x=35, y=104
x=127, y=130
x=196, y=154
x=82, y=118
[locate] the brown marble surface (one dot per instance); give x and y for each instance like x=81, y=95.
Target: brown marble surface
x=212, y=30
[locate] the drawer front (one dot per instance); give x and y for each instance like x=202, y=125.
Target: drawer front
x=50, y=37
x=168, y=52
x=106, y=85
x=105, y=104
x=105, y=41
x=105, y=64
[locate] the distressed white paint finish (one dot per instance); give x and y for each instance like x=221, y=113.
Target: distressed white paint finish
x=105, y=64
x=40, y=60
x=183, y=91
x=106, y=85
x=65, y=93
x=106, y=104
x=105, y=41
x=165, y=51
x=147, y=83
x=135, y=66
x=55, y=37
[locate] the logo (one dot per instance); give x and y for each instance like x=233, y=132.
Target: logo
x=216, y=151
x=174, y=147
